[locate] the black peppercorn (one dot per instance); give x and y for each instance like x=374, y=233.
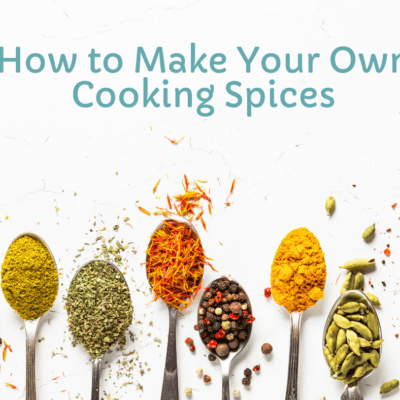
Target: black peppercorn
x=213, y=292
x=233, y=344
x=210, y=328
x=226, y=308
x=207, y=296
x=247, y=372
x=235, y=297
x=233, y=288
x=234, y=325
x=222, y=285
x=197, y=327
x=216, y=326
x=211, y=310
x=204, y=304
x=211, y=357
x=206, y=340
x=202, y=323
x=214, y=285
x=242, y=297
x=242, y=335
x=246, y=381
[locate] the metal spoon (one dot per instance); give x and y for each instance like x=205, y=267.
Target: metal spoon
x=96, y=362
x=31, y=328
x=226, y=361
x=170, y=390
x=352, y=391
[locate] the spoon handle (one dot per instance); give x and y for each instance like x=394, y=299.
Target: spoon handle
x=295, y=324
x=352, y=393
x=30, y=328
x=96, y=372
x=225, y=379
x=170, y=384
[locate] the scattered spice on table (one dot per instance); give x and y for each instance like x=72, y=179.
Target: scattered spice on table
x=173, y=141
x=11, y=386
x=175, y=264
x=267, y=292
x=99, y=308
x=29, y=278
x=257, y=368
x=155, y=187
x=231, y=191
x=266, y=348
x=207, y=379
x=298, y=271
x=188, y=391
x=386, y=252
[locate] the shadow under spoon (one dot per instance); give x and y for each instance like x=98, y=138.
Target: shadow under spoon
x=97, y=362
x=170, y=389
x=352, y=391
x=31, y=328
x=225, y=362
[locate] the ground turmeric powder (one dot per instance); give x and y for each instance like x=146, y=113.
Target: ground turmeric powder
x=298, y=272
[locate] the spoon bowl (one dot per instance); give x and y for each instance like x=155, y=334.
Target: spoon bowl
x=97, y=362
x=225, y=362
x=31, y=328
x=352, y=391
x=170, y=390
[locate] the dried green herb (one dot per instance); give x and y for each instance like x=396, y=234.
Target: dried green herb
x=99, y=308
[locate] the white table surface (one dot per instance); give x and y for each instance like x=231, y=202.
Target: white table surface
x=287, y=161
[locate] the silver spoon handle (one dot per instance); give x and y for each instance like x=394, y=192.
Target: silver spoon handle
x=170, y=389
x=352, y=393
x=30, y=328
x=96, y=372
x=295, y=324
x=225, y=380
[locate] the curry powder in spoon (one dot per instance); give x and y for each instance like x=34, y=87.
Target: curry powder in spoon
x=298, y=271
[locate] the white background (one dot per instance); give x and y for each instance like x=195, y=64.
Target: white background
x=287, y=161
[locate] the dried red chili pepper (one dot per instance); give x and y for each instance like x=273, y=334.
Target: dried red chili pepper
x=212, y=343
x=218, y=298
x=267, y=292
x=207, y=321
x=250, y=319
x=189, y=341
x=220, y=334
x=256, y=368
x=234, y=316
x=192, y=348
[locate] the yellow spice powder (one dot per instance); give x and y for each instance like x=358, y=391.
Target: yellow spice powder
x=298, y=272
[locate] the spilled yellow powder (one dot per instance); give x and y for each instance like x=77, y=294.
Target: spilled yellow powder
x=298, y=272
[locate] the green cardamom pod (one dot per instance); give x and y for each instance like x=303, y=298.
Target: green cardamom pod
x=373, y=299
x=356, y=317
x=330, y=205
x=348, y=283
x=350, y=308
x=359, y=281
x=373, y=325
x=348, y=363
x=342, y=322
x=341, y=339
x=375, y=359
x=377, y=344
x=361, y=329
x=360, y=371
x=353, y=341
x=358, y=263
x=389, y=386
x=365, y=343
x=341, y=354
x=369, y=233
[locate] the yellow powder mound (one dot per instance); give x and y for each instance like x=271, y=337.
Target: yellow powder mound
x=298, y=272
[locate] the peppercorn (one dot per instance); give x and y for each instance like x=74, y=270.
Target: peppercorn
x=235, y=297
x=204, y=304
x=247, y=372
x=216, y=326
x=256, y=368
x=235, y=332
x=246, y=382
x=214, y=285
x=211, y=310
x=211, y=302
x=210, y=317
x=189, y=341
x=206, y=340
x=207, y=296
x=222, y=285
x=383, y=262
x=226, y=325
x=225, y=317
x=234, y=344
x=211, y=357
x=206, y=378
x=242, y=335
x=188, y=391
x=213, y=292
x=199, y=370
x=226, y=308
x=218, y=311
x=202, y=324
x=230, y=336
x=229, y=297
x=225, y=300
x=267, y=292
x=202, y=310
x=236, y=307
x=210, y=328
x=192, y=348
x=266, y=348
x=244, y=306
x=234, y=325
x=196, y=327
x=213, y=344
x=222, y=349
x=242, y=297
x=233, y=288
